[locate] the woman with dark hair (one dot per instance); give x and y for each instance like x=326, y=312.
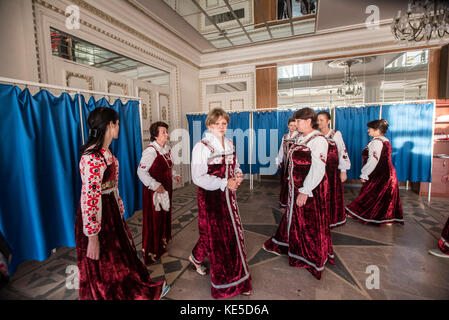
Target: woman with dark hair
x=216, y=172
x=336, y=166
x=156, y=172
x=282, y=159
x=109, y=268
x=379, y=202
x=304, y=232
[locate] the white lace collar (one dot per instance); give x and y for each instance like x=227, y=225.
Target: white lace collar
x=216, y=143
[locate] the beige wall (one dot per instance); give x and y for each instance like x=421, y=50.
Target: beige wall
x=17, y=53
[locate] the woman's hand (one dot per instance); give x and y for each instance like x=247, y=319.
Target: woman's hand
x=178, y=179
x=160, y=189
x=232, y=184
x=301, y=199
x=93, y=248
x=363, y=180
x=343, y=176
x=239, y=178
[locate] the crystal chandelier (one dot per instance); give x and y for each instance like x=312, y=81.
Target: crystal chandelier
x=350, y=85
x=423, y=20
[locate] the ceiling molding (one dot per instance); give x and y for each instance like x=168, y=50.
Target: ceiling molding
x=101, y=14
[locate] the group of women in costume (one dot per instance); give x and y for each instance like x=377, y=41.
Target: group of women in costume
x=313, y=168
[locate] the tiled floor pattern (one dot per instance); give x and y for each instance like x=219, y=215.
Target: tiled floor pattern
x=406, y=270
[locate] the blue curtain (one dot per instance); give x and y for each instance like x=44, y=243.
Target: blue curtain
x=410, y=133
x=266, y=144
x=351, y=122
x=238, y=131
x=197, y=126
x=127, y=148
x=39, y=177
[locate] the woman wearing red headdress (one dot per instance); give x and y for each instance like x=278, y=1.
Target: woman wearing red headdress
x=379, y=202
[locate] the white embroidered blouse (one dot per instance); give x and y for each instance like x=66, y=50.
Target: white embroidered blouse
x=280, y=156
x=374, y=150
x=92, y=168
x=344, y=163
x=201, y=155
x=148, y=157
x=319, y=147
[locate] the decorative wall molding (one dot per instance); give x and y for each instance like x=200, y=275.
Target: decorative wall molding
x=249, y=77
x=215, y=104
x=242, y=106
x=124, y=86
x=164, y=110
x=88, y=79
x=39, y=73
x=146, y=110
x=172, y=67
x=83, y=5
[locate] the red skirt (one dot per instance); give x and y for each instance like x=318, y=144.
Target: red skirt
x=304, y=233
x=283, y=197
x=118, y=274
x=443, y=244
x=156, y=228
x=337, y=213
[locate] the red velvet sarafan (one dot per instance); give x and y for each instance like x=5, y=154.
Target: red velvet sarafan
x=379, y=202
x=156, y=225
x=221, y=234
x=286, y=145
x=118, y=274
x=304, y=233
x=443, y=244
x=337, y=214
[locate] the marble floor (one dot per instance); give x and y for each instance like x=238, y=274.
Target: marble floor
x=398, y=253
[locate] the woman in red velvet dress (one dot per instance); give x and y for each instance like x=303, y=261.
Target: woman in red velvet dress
x=156, y=172
x=304, y=232
x=336, y=166
x=379, y=202
x=109, y=268
x=282, y=160
x=216, y=172
x=443, y=243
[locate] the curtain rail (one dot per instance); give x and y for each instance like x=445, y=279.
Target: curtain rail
x=50, y=86
x=321, y=107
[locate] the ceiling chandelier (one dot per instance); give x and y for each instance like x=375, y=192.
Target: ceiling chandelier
x=423, y=20
x=349, y=86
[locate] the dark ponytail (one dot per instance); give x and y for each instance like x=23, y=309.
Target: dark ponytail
x=98, y=121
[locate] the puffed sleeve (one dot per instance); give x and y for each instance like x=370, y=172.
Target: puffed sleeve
x=92, y=168
x=148, y=157
x=319, y=147
x=280, y=156
x=200, y=154
x=344, y=163
x=374, y=151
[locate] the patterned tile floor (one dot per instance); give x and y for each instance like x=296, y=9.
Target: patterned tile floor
x=406, y=270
